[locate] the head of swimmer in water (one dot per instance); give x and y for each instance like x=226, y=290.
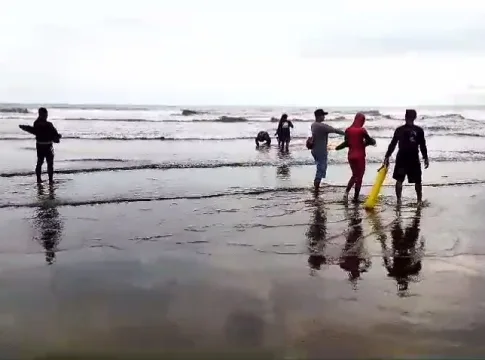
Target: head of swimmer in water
x=410, y=116
x=42, y=114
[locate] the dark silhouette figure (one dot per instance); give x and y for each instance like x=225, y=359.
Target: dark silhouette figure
x=403, y=262
x=283, y=132
x=317, y=235
x=262, y=137
x=46, y=134
x=48, y=222
x=352, y=259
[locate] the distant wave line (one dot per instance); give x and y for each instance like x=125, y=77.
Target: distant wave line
x=433, y=132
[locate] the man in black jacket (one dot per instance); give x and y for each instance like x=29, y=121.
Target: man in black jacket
x=45, y=135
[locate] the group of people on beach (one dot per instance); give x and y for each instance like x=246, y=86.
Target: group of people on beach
x=409, y=138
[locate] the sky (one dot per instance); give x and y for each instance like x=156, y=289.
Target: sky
x=248, y=52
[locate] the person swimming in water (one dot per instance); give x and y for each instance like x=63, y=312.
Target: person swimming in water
x=356, y=139
x=411, y=140
x=263, y=136
x=45, y=135
x=283, y=132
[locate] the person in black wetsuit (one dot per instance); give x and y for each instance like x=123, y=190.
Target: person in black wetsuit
x=283, y=132
x=411, y=140
x=263, y=136
x=45, y=135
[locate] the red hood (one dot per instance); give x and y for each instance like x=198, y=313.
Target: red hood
x=359, y=120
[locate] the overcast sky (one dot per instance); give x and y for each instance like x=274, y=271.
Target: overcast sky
x=274, y=52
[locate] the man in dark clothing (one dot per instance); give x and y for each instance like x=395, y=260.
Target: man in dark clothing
x=263, y=136
x=45, y=135
x=411, y=140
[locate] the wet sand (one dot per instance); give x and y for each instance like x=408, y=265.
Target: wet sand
x=267, y=271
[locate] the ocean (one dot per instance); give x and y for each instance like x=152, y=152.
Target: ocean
x=104, y=138
x=168, y=233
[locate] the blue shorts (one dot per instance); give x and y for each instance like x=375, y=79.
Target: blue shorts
x=321, y=162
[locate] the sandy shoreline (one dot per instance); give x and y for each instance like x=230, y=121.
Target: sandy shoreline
x=232, y=274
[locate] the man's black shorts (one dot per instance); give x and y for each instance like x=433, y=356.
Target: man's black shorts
x=407, y=165
x=45, y=152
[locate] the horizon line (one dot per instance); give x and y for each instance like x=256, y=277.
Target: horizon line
x=188, y=106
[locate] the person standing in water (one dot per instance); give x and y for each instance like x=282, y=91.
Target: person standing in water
x=356, y=138
x=318, y=143
x=45, y=134
x=283, y=132
x=411, y=140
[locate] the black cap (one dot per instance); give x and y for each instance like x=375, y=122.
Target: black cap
x=410, y=114
x=320, y=112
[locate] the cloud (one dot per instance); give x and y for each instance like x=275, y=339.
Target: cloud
x=240, y=52
x=402, y=28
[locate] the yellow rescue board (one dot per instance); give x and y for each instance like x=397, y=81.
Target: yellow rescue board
x=371, y=201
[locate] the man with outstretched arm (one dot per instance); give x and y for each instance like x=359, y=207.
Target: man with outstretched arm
x=45, y=134
x=411, y=140
x=318, y=144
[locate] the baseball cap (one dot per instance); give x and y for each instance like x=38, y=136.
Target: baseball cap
x=320, y=112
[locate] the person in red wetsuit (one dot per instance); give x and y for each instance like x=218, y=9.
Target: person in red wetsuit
x=356, y=139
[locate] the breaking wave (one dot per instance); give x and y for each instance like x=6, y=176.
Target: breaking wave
x=15, y=110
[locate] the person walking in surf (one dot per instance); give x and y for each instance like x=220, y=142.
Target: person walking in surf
x=356, y=138
x=45, y=135
x=318, y=143
x=283, y=132
x=411, y=140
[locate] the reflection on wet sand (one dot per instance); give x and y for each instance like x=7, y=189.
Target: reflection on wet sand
x=48, y=222
x=403, y=261
x=283, y=170
x=353, y=258
x=317, y=235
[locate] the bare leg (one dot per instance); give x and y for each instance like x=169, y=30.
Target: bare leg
x=398, y=191
x=419, y=192
x=50, y=170
x=38, y=169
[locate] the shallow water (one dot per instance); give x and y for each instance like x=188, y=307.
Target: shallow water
x=198, y=247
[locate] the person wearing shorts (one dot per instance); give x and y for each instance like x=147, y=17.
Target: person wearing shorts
x=411, y=141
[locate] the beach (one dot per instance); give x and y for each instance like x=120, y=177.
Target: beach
x=201, y=246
